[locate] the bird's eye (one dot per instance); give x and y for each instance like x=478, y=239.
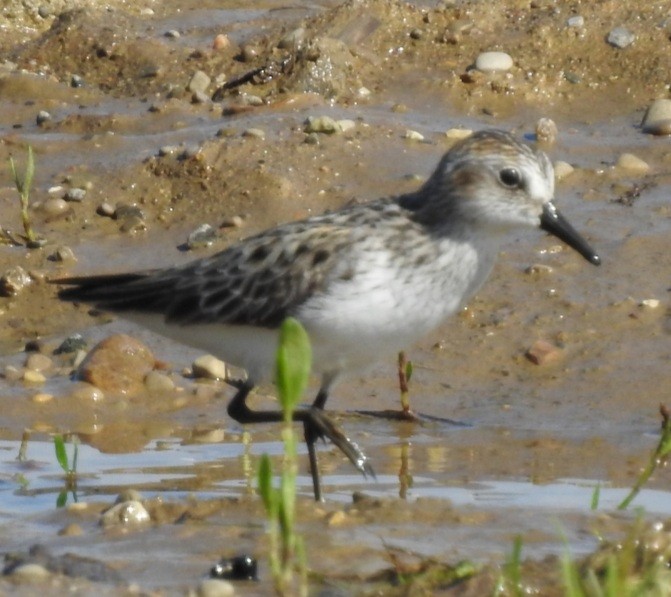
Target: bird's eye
x=510, y=177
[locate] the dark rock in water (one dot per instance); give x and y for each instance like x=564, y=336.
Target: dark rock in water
x=242, y=567
x=68, y=564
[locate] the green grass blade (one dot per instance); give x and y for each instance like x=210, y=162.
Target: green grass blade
x=61, y=454
x=265, y=480
x=596, y=495
x=294, y=361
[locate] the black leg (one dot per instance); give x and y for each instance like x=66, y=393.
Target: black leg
x=316, y=424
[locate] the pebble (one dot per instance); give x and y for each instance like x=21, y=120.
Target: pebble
x=249, y=99
x=221, y=42
x=11, y=373
x=125, y=513
x=76, y=81
x=214, y=587
x=562, y=169
x=71, y=344
x=632, y=163
x=293, y=40
x=413, y=135
x=172, y=34
x=13, y=281
x=346, y=125
x=55, y=207
x=493, y=61
x=128, y=495
x=201, y=237
x=31, y=573
x=458, y=134
x=657, y=118
x=85, y=392
x=233, y=222
x=543, y=353
x=63, y=254
x=207, y=436
x=538, y=269
x=105, y=209
x=118, y=364
x=159, y=383
x=76, y=194
x=254, y=133
x=248, y=53
x=33, y=377
x=38, y=362
x=42, y=398
x=199, y=82
x=209, y=367
x=575, y=21
x=621, y=37
x=42, y=117
x=169, y=150
x=133, y=224
x=321, y=124
x=546, y=131
x=650, y=303
x=416, y=33
x=199, y=97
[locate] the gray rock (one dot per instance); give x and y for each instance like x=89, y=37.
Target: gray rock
x=576, y=21
x=621, y=37
x=199, y=82
x=75, y=194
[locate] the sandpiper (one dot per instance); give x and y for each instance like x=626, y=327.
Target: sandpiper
x=365, y=281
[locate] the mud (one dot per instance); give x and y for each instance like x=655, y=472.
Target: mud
x=539, y=438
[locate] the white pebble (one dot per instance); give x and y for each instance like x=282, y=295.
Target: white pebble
x=214, y=587
x=621, y=37
x=413, y=135
x=650, y=303
x=209, y=367
x=493, y=61
x=658, y=112
x=130, y=512
x=458, y=134
x=575, y=21
x=628, y=161
x=562, y=169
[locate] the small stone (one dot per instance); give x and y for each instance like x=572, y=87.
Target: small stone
x=346, y=125
x=128, y=495
x=321, y=124
x=575, y=21
x=207, y=436
x=13, y=281
x=221, y=42
x=33, y=377
x=117, y=364
x=363, y=92
x=71, y=530
x=209, y=367
x=158, y=383
x=85, y=392
x=546, y=131
x=125, y=513
x=71, y=344
x=413, y=135
x=42, y=117
x=38, y=362
x=657, y=118
x=632, y=163
x=133, y=224
x=293, y=40
x=76, y=81
x=562, y=169
x=493, y=61
x=199, y=97
x=44, y=11
x=75, y=194
x=201, y=237
x=200, y=81
x=543, y=353
x=31, y=573
x=538, y=269
x=249, y=53
x=233, y=222
x=249, y=99
x=650, y=303
x=105, y=209
x=214, y=587
x=621, y=37
x=169, y=150
x=172, y=34
x=63, y=254
x=42, y=398
x=11, y=373
x=311, y=139
x=416, y=33
x=150, y=71
x=337, y=518
x=254, y=133
x=55, y=207
x=458, y=134
x=123, y=211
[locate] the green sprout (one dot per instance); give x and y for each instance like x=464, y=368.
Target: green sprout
x=404, y=375
x=658, y=457
x=287, y=551
x=70, y=471
x=23, y=184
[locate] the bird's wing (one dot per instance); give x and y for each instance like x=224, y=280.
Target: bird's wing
x=258, y=281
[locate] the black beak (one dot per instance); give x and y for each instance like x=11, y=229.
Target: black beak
x=553, y=222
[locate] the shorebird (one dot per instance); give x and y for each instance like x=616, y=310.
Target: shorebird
x=365, y=281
